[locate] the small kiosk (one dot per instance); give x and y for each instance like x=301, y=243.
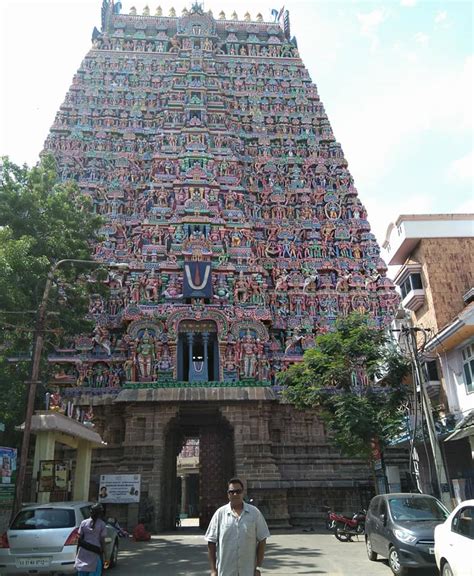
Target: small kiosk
x=51, y=427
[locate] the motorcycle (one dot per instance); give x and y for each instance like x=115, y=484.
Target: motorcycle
x=330, y=521
x=345, y=528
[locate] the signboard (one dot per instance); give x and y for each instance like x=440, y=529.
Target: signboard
x=119, y=488
x=53, y=476
x=7, y=475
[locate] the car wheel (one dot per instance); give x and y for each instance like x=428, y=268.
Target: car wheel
x=370, y=553
x=114, y=556
x=446, y=570
x=394, y=563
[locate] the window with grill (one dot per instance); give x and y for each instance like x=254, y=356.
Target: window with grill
x=413, y=282
x=431, y=368
x=468, y=367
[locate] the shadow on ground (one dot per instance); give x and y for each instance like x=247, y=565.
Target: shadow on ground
x=184, y=554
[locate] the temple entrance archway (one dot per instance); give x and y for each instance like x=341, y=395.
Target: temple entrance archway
x=216, y=464
x=198, y=351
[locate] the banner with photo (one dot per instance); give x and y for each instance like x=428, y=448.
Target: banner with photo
x=8, y=458
x=119, y=488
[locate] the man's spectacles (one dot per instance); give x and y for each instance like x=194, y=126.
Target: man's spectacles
x=233, y=492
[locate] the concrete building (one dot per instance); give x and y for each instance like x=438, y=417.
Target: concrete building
x=435, y=254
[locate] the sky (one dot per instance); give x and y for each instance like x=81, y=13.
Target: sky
x=395, y=77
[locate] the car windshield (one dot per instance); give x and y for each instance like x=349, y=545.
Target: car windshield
x=44, y=518
x=417, y=509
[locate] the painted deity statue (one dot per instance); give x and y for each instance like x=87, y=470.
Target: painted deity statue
x=248, y=357
x=145, y=355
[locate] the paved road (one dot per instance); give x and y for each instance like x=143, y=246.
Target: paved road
x=184, y=553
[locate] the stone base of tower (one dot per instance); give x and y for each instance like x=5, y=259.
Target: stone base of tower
x=282, y=454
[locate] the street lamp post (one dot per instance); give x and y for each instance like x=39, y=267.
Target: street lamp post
x=38, y=341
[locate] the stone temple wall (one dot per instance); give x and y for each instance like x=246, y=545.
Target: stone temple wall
x=240, y=236
x=283, y=456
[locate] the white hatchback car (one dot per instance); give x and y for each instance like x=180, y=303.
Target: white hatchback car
x=454, y=542
x=43, y=539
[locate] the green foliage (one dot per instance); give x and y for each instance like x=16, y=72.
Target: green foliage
x=354, y=376
x=41, y=221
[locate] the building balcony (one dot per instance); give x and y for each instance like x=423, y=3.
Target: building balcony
x=414, y=299
x=403, y=236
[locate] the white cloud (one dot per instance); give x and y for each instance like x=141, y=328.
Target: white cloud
x=404, y=53
x=462, y=169
x=403, y=104
x=422, y=38
x=369, y=24
x=408, y=3
x=420, y=97
x=441, y=16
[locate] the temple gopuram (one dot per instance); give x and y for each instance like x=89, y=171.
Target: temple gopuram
x=203, y=143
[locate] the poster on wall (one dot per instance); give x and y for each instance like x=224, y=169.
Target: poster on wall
x=46, y=476
x=119, y=488
x=7, y=475
x=53, y=476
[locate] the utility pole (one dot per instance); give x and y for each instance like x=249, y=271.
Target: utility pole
x=440, y=470
x=32, y=382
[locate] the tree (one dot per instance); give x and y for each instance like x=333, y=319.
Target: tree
x=42, y=221
x=355, y=377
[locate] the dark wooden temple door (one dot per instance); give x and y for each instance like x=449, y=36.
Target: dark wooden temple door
x=216, y=462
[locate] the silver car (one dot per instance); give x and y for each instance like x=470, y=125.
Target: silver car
x=42, y=539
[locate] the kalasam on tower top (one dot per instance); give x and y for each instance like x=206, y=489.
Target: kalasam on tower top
x=203, y=143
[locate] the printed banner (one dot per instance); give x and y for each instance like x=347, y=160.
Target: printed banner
x=119, y=488
x=7, y=475
x=197, y=281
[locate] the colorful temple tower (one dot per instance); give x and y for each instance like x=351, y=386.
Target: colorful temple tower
x=204, y=145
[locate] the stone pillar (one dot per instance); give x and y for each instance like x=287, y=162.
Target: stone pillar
x=205, y=342
x=82, y=474
x=190, y=354
x=184, y=494
x=221, y=350
x=44, y=450
x=164, y=469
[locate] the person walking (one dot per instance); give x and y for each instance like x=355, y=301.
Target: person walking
x=91, y=545
x=236, y=536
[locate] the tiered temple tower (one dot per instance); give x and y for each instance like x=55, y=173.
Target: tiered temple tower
x=204, y=145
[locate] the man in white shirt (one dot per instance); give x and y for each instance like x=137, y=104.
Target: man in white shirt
x=236, y=536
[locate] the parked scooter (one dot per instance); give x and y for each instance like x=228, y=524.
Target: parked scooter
x=345, y=528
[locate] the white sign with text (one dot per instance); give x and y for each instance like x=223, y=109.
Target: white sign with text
x=119, y=488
